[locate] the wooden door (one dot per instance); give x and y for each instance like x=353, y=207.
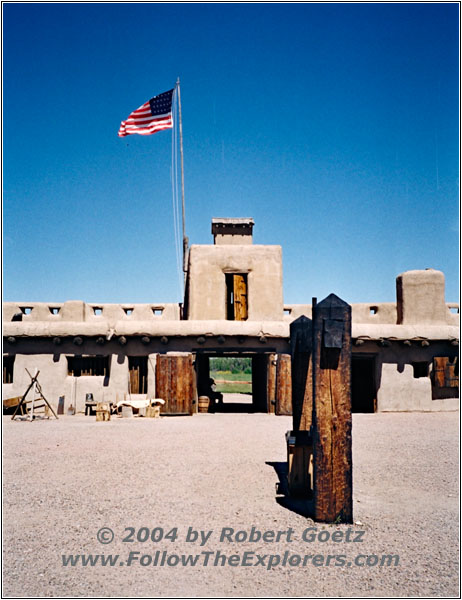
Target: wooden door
x=445, y=372
x=176, y=383
x=445, y=376
x=240, y=297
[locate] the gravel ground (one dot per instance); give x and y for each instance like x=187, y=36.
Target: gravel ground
x=64, y=480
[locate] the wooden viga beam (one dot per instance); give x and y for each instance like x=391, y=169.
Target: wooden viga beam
x=333, y=468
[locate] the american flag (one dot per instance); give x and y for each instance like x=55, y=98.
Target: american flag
x=153, y=116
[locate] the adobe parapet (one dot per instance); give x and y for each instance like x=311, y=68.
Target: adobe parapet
x=77, y=311
x=381, y=313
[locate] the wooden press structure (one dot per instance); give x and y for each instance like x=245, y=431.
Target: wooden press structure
x=31, y=408
x=319, y=445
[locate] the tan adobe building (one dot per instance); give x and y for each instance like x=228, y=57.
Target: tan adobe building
x=405, y=354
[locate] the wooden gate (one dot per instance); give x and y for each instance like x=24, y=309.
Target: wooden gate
x=176, y=383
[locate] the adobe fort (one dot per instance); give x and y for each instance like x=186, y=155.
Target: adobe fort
x=404, y=353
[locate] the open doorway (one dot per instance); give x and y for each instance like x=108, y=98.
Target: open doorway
x=236, y=382
x=236, y=296
x=363, y=384
x=138, y=374
x=231, y=384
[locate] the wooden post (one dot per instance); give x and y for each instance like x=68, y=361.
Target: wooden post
x=271, y=382
x=283, y=385
x=299, y=440
x=34, y=392
x=333, y=485
x=301, y=333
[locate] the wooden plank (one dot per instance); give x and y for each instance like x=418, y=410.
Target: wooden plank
x=451, y=374
x=240, y=297
x=162, y=379
x=333, y=487
x=175, y=406
x=181, y=381
x=134, y=380
x=185, y=378
x=284, y=385
x=192, y=391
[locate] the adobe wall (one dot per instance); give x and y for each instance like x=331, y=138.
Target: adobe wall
x=419, y=326
x=401, y=391
x=40, y=352
x=397, y=387
x=365, y=312
x=55, y=381
x=420, y=297
x=77, y=311
x=207, y=287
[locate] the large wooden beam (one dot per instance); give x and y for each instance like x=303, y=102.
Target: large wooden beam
x=333, y=487
x=301, y=333
x=271, y=382
x=299, y=440
x=283, y=385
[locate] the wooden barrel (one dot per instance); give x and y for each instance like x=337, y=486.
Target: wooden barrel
x=203, y=405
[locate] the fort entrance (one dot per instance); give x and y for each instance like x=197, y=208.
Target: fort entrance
x=220, y=383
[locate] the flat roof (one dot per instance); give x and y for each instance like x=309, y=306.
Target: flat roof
x=231, y=221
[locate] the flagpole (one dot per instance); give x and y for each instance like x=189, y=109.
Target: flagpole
x=185, y=239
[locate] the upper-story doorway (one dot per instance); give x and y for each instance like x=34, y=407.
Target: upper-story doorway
x=236, y=297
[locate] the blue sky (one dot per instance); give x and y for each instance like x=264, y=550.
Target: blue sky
x=335, y=126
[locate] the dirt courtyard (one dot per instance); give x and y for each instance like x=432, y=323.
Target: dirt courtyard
x=216, y=473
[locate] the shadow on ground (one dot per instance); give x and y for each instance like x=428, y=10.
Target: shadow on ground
x=233, y=407
x=302, y=505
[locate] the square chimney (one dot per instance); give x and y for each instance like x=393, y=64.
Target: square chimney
x=232, y=231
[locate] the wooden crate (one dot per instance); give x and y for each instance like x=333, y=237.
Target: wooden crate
x=153, y=412
x=103, y=412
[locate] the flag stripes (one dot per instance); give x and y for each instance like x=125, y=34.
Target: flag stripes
x=153, y=116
